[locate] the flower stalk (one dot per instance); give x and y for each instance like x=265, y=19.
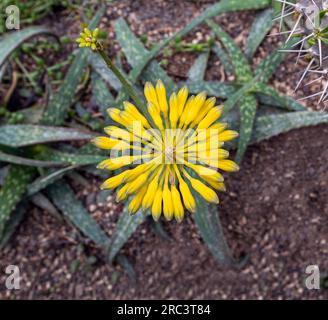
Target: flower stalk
x=90, y=39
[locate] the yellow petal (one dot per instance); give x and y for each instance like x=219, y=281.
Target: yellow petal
x=150, y=94
x=177, y=204
x=174, y=112
x=131, y=109
x=228, y=135
x=156, y=116
x=228, y=165
x=208, y=105
x=182, y=98
x=135, y=203
x=114, y=113
x=207, y=193
x=156, y=208
x=167, y=203
x=188, y=199
x=194, y=107
x=161, y=97
x=115, y=181
x=213, y=115
x=137, y=183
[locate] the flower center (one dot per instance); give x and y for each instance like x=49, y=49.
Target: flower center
x=169, y=154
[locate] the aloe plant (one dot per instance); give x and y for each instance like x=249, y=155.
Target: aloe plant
x=23, y=153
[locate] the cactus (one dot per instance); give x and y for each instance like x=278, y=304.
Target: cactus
x=308, y=21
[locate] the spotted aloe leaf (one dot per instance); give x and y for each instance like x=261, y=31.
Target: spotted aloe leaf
x=46, y=180
x=214, y=88
x=5, y=157
x=137, y=55
x=57, y=109
x=269, y=65
x=12, y=191
x=224, y=59
x=10, y=42
x=68, y=158
x=269, y=126
x=247, y=110
x=65, y=200
x=209, y=226
x=125, y=227
x=100, y=94
x=241, y=66
x=281, y=101
x=198, y=69
x=260, y=27
x=25, y=135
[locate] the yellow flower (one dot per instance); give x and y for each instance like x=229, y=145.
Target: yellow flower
x=88, y=38
x=169, y=154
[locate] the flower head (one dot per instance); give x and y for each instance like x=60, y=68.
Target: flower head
x=88, y=38
x=167, y=154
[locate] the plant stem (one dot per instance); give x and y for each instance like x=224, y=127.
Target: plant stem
x=126, y=84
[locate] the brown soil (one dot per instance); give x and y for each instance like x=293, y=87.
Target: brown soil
x=275, y=210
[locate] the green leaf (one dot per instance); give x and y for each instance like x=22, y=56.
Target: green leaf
x=260, y=27
x=269, y=126
x=13, y=191
x=281, y=101
x=26, y=135
x=212, y=11
x=136, y=55
x=44, y=181
x=28, y=162
x=268, y=66
x=209, y=226
x=70, y=158
x=100, y=94
x=60, y=103
x=242, y=69
x=42, y=202
x=224, y=59
x=247, y=109
x=198, y=69
x=238, y=95
x=126, y=226
x=13, y=40
x=65, y=200
x=213, y=88
x=14, y=220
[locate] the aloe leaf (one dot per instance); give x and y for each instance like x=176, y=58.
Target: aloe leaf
x=224, y=59
x=269, y=126
x=282, y=101
x=59, y=104
x=213, y=88
x=102, y=70
x=198, y=69
x=238, y=95
x=44, y=181
x=22, y=135
x=260, y=27
x=269, y=65
x=136, y=55
x=125, y=227
x=241, y=66
x=71, y=158
x=271, y=100
x=209, y=226
x=13, y=191
x=247, y=110
x=100, y=94
x=42, y=202
x=13, y=222
x=65, y=200
x=28, y=162
x=212, y=11
x=10, y=42
x=126, y=265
